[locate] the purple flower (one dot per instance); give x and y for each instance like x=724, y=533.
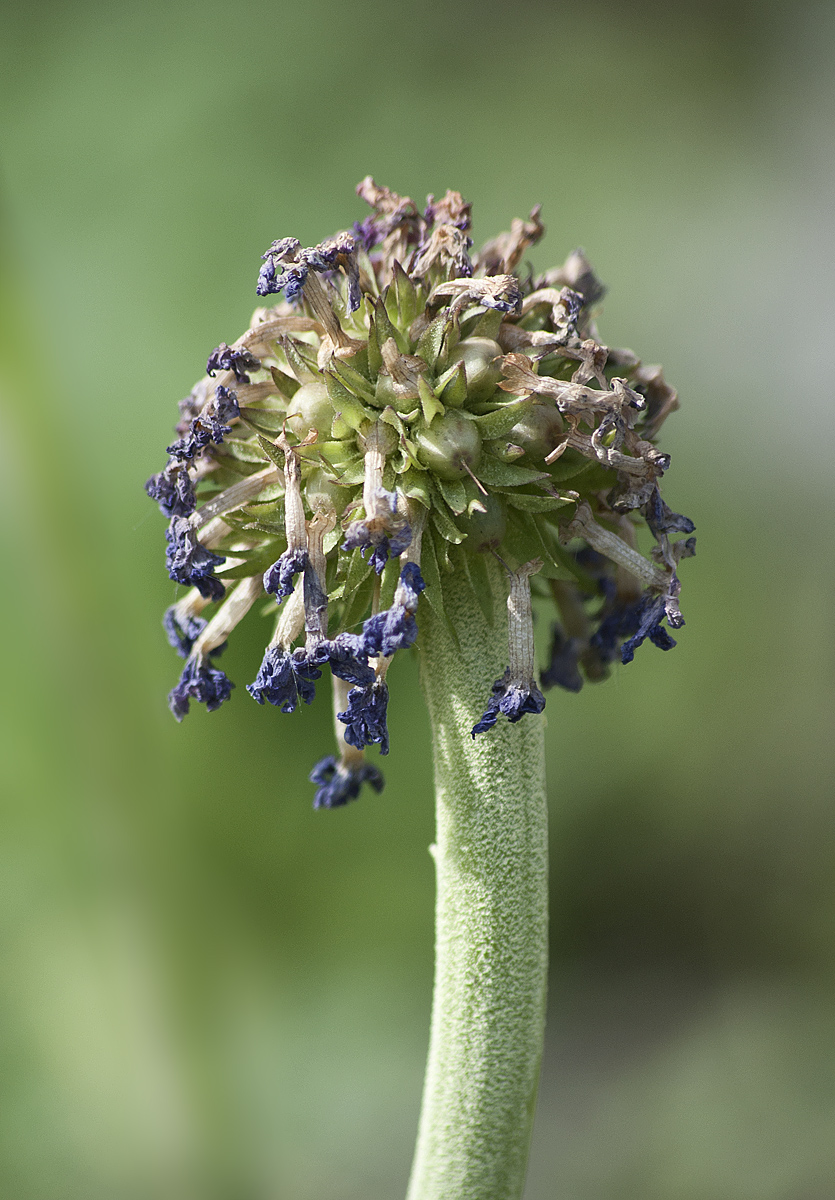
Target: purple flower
x=173, y=490
x=183, y=631
x=337, y=782
x=365, y=716
x=634, y=622
x=513, y=698
x=280, y=272
x=339, y=251
x=649, y=612
x=347, y=657
x=396, y=628
x=208, y=426
x=292, y=281
x=225, y=358
x=226, y=404
x=562, y=670
x=285, y=678
x=190, y=563
x=270, y=284
x=202, y=682
x=280, y=577
x=385, y=534
x=369, y=232
x=662, y=520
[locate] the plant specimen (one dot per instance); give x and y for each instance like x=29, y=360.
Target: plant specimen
x=406, y=449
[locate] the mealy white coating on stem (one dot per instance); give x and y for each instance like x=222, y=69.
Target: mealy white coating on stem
x=491, y=915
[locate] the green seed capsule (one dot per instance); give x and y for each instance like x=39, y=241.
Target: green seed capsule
x=322, y=492
x=485, y=530
x=387, y=393
x=310, y=408
x=538, y=432
x=483, y=373
x=449, y=446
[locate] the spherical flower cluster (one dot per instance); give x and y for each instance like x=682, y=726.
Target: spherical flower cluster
x=405, y=409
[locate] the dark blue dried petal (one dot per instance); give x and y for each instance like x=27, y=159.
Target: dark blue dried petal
x=267, y=285
x=306, y=671
x=348, y=659
x=509, y=303
x=201, y=682
x=520, y=699
x=368, y=232
x=365, y=716
x=280, y=578
x=338, y=783
x=511, y=698
x=276, y=276
x=634, y=622
x=649, y=612
x=209, y=426
x=292, y=281
x=662, y=520
x=173, y=490
x=226, y=404
x=400, y=541
x=284, y=678
x=563, y=670
x=396, y=628
x=183, y=631
x=275, y=681
x=410, y=586
x=382, y=544
x=573, y=303
x=225, y=358
x=190, y=563
x=282, y=248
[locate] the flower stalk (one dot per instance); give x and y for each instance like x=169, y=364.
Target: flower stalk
x=488, y=1013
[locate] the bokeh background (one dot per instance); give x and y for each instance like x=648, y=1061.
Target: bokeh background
x=209, y=991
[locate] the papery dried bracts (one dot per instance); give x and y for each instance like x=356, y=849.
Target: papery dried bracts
x=403, y=408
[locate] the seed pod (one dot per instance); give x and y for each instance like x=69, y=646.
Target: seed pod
x=322, y=492
x=450, y=446
x=485, y=530
x=310, y=408
x=480, y=357
x=538, y=432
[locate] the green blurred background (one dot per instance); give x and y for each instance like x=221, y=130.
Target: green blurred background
x=209, y=991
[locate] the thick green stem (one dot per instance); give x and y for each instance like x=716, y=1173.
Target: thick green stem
x=488, y=1012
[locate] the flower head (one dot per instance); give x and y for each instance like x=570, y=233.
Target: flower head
x=408, y=405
